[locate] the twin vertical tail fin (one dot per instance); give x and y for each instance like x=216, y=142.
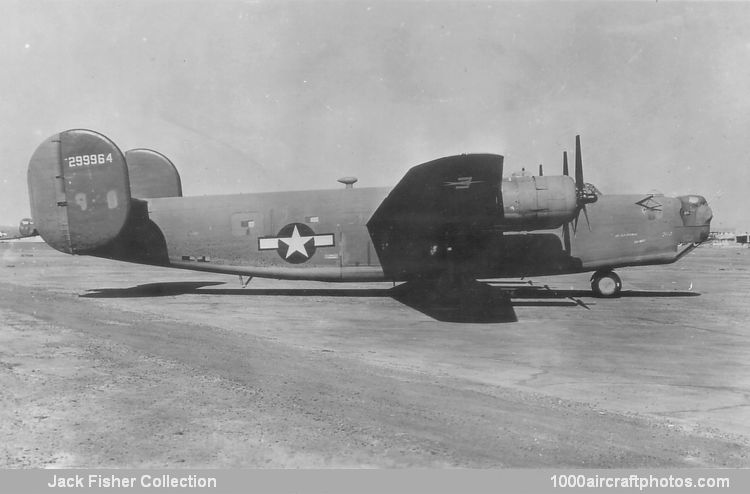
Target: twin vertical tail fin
x=87, y=196
x=152, y=175
x=79, y=190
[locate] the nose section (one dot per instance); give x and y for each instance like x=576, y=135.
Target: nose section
x=696, y=216
x=704, y=215
x=703, y=218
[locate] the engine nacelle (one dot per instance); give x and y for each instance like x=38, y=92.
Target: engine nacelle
x=537, y=203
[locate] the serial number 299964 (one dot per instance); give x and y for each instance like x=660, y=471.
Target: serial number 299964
x=89, y=160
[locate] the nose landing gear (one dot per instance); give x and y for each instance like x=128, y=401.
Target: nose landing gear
x=606, y=284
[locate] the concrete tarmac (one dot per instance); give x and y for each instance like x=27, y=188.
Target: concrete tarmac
x=109, y=364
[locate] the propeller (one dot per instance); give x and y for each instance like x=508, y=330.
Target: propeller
x=541, y=170
x=585, y=194
x=566, y=237
x=566, y=225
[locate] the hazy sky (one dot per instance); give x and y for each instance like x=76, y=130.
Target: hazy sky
x=256, y=96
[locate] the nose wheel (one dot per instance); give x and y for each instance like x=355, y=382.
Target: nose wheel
x=606, y=284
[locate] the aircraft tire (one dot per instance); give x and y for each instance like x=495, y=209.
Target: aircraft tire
x=606, y=284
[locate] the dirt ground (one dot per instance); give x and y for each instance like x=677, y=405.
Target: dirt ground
x=107, y=364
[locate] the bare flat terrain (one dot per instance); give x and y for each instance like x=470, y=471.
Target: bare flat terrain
x=107, y=364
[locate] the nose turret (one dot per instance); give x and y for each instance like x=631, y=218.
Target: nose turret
x=696, y=217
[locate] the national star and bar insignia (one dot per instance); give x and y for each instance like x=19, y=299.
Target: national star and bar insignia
x=462, y=183
x=296, y=242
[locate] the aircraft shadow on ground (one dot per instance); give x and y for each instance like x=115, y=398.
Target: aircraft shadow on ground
x=475, y=302
x=544, y=291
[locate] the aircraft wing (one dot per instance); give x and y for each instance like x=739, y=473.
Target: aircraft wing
x=440, y=217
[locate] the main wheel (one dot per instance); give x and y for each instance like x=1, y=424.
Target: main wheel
x=606, y=284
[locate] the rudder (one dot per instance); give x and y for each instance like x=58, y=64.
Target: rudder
x=79, y=190
x=152, y=175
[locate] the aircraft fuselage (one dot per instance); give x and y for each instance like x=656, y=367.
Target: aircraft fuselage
x=254, y=234
x=448, y=220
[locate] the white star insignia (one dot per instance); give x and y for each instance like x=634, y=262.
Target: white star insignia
x=296, y=243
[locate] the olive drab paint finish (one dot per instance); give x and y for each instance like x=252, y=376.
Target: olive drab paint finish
x=294, y=235
x=152, y=174
x=451, y=219
x=441, y=213
x=79, y=190
x=535, y=203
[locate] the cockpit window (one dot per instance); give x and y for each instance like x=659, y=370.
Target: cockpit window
x=592, y=188
x=696, y=200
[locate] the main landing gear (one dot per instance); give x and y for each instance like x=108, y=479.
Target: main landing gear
x=606, y=284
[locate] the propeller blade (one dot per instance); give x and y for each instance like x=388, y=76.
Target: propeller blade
x=565, y=163
x=575, y=222
x=579, y=165
x=586, y=214
x=566, y=237
x=586, y=194
x=541, y=170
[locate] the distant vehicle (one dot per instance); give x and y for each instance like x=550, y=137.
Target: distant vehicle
x=448, y=221
x=26, y=228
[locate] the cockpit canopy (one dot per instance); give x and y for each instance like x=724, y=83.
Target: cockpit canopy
x=592, y=189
